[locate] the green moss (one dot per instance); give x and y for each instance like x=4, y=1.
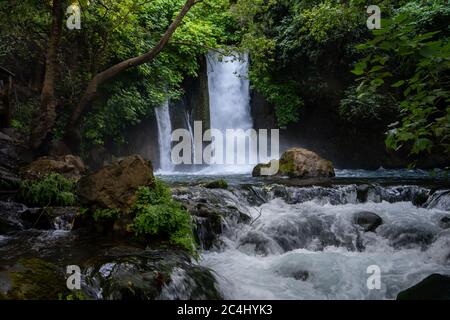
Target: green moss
x=158, y=215
x=106, y=214
x=39, y=280
x=217, y=184
x=52, y=190
x=287, y=166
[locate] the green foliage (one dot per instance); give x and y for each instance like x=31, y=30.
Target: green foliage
x=367, y=108
x=410, y=59
x=158, y=215
x=106, y=214
x=52, y=190
x=297, y=49
x=37, y=280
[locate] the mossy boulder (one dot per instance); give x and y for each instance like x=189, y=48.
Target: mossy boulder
x=217, y=184
x=114, y=186
x=35, y=279
x=70, y=166
x=300, y=163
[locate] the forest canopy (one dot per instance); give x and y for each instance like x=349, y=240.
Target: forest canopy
x=394, y=79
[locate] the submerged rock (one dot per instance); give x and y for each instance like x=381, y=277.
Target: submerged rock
x=433, y=287
x=300, y=163
x=217, y=184
x=114, y=186
x=135, y=274
x=445, y=222
x=439, y=200
x=369, y=221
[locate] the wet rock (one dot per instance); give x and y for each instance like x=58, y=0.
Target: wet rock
x=69, y=166
x=300, y=163
x=362, y=192
x=301, y=275
x=9, y=180
x=263, y=245
x=439, y=200
x=410, y=237
x=433, y=287
x=134, y=274
x=114, y=185
x=59, y=218
x=10, y=216
x=217, y=184
x=34, y=279
x=211, y=209
x=369, y=221
x=444, y=223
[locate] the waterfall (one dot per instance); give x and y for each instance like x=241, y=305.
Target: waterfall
x=164, y=137
x=229, y=101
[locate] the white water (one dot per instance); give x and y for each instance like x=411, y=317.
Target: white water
x=229, y=100
x=270, y=258
x=164, y=138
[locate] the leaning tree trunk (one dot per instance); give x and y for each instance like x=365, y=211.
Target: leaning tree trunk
x=46, y=116
x=72, y=135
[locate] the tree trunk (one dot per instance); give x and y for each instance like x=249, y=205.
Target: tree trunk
x=72, y=136
x=46, y=116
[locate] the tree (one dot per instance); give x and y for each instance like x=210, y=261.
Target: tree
x=72, y=135
x=45, y=119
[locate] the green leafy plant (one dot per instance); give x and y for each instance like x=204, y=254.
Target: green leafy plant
x=106, y=214
x=410, y=58
x=52, y=190
x=158, y=215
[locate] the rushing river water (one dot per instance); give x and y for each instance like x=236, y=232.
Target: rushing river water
x=303, y=243
x=277, y=239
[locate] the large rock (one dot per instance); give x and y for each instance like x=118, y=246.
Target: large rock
x=300, y=163
x=369, y=221
x=433, y=287
x=69, y=166
x=114, y=185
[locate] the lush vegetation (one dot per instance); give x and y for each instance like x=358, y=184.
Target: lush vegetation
x=304, y=54
x=52, y=190
x=158, y=215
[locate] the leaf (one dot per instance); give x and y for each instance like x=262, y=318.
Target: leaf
x=398, y=84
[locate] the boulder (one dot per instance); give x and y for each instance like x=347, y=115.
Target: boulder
x=69, y=166
x=300, y=163
x=369, y=221
x=445, y=222
x=433, y=287
x=114, y=185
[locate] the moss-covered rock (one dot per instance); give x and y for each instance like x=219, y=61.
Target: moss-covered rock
x=70, y=166
x=36, y=279
x=114, y=185
x=300, y=163
x=217, y=184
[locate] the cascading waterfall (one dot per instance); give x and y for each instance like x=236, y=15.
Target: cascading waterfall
x=164, y=137
x=229, y=101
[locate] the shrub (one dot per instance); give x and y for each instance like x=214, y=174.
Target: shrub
x=157, y=214
x=106, y=214
x=52, y=190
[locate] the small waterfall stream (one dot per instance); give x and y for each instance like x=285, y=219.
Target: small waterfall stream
x=164, y=137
